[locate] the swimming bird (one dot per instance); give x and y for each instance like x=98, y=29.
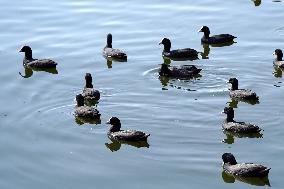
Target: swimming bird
x=109, y=52
x=184, y=71
x=36, y=63
x=237, y=93
x=230, y=166
x=85, y=111
x=231, y=125
x=115, y=133
x=215, y=39
x=89, y=93
x=186, y=53
x=278, y=60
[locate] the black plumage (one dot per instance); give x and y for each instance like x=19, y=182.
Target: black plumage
x=215, y=39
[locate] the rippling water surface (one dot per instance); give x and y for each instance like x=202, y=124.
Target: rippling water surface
x=43, y=146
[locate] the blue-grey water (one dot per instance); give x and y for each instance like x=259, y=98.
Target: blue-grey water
x=42, y=145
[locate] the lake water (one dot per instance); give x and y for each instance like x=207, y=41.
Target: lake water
x=42, y=145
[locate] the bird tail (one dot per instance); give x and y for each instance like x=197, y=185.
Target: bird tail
x=197, y=71
x=265, y=171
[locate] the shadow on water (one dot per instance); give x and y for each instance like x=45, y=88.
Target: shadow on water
x=110, y=60
x=262, y=181
x=232, y=135
x=256, y=2
x=115, y=145
x=81, y=121
x=29, y=71
x=206, y=48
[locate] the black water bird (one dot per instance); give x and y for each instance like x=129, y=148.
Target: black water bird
x=230, y=166
x=186, y=53
x=241, y=94
x=215, y=39
x=89, y=93
x=230, y=125
x=84, y=111
x=184, y=71
x=111, y=53
x=278, y=58
x=36, y=63
x=115, y=132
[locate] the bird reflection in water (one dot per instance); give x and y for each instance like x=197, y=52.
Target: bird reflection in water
x=256, y=181
x=110, y=60
x=165, y=80
x=206, y=48
x=115, y=145
x=29, y=71
x=81, y=121
x=256, y=2
x=232, y=135
x=278, y=71
x=234, y=102
x=206, y=51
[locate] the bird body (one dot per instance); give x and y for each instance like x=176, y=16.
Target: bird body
x=240, y=127
x=181, y=53
x=231, y=125
x=85, y=111
x=246, y=169
x=109, y=52
x=186, y=53
x=128, y=135
x=237, y=93
x=215, y=39
x=89, y=93
x=36, y=63
x=230, y=166
x=115, y=133
x=114, y=53
x=184, y=71
x=243, y=94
